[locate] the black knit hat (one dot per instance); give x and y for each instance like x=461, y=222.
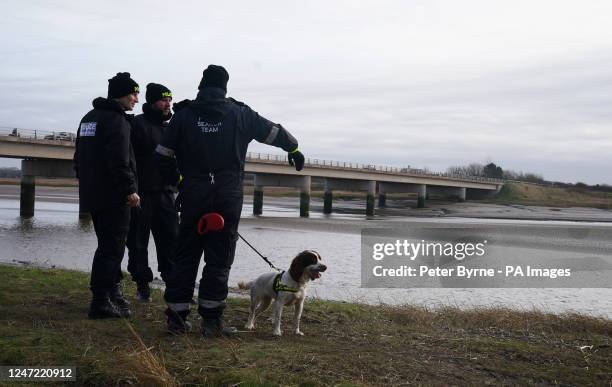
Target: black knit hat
x=214, y=76
x=121, y=85
x=155, y=92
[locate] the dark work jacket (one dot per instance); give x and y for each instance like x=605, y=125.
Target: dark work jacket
x=104, y=159
x=147, y=131
x=212, y=134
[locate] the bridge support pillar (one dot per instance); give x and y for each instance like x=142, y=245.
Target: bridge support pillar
x=258, y=199
x=28, y=191
x=327, y=198
x=461, y=194
x=371, y=198
x=43, y=168
x=421, y=194
x=305, y=197
x=382, y=200
x=382, y=195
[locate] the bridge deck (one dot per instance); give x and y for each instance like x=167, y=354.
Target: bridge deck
x=35, y=144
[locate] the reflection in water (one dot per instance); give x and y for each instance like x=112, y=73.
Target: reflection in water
x=26, y=224
x=56, y=236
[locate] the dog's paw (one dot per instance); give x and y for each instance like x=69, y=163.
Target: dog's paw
x=249, y=326
x=299, y=333
x=277, y=333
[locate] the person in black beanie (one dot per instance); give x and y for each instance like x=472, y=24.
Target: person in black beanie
x=214, y=76
x=106, y=169
x=157, y=213
x=208, y=141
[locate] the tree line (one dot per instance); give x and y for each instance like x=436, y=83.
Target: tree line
x=495, y=171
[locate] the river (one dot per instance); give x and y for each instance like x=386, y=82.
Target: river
x=56, y=237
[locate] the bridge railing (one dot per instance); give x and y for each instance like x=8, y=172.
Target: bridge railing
x=320, y=163
x=277, y=159
x=35, y=134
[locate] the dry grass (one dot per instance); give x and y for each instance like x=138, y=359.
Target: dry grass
x=531, y=194
x=149, y=369
x=344, y=344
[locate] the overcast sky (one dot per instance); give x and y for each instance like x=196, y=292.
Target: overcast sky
x=525, y=84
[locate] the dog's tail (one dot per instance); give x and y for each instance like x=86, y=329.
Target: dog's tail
x=244, y=285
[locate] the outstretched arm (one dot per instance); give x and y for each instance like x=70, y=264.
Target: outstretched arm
x=268, y=132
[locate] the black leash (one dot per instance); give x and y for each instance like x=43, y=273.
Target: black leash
x=264, y=258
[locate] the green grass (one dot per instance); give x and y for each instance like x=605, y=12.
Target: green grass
x=43, y=322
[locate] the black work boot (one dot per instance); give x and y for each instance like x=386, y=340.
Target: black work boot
x=101, y=307
x=116, y=297
x=143, y=292
x=215, y=327
x=177, y=322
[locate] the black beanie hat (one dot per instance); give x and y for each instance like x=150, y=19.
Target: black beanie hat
x=214, y=76
x=121, y=85
x=155, y=92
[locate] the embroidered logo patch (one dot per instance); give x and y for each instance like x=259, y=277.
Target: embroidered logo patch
x=88, y=129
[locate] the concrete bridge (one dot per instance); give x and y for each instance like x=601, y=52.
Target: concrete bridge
x=49, y=154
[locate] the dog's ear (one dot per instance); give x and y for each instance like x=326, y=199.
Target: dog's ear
x=301, y=261
x=297, y=266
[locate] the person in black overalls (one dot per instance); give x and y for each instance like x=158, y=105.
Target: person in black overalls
x=106, y=169
x=157, y=213
x=208, y=140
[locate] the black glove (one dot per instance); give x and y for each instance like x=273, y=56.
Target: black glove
x=296, y=158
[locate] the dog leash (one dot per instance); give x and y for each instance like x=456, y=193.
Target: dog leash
x=277, y=286
x=264, y=258
x=212, y=222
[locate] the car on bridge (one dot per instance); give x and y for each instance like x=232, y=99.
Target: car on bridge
x=61, y=136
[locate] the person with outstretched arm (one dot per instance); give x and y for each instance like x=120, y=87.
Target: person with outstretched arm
x=208, y=141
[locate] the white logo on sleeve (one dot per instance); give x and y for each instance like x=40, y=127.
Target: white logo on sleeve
x=88, y=129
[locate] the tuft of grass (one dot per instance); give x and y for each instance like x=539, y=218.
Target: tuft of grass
x=43, y=322
x=149, y=368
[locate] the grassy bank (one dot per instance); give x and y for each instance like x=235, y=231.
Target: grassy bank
x=532, y=194
x=43, y=323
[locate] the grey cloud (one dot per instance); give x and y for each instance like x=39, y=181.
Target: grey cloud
x=392, y=84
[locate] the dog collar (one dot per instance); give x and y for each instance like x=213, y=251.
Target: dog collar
x=278, y=287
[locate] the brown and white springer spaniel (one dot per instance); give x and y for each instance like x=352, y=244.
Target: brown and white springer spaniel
x=286, y=288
